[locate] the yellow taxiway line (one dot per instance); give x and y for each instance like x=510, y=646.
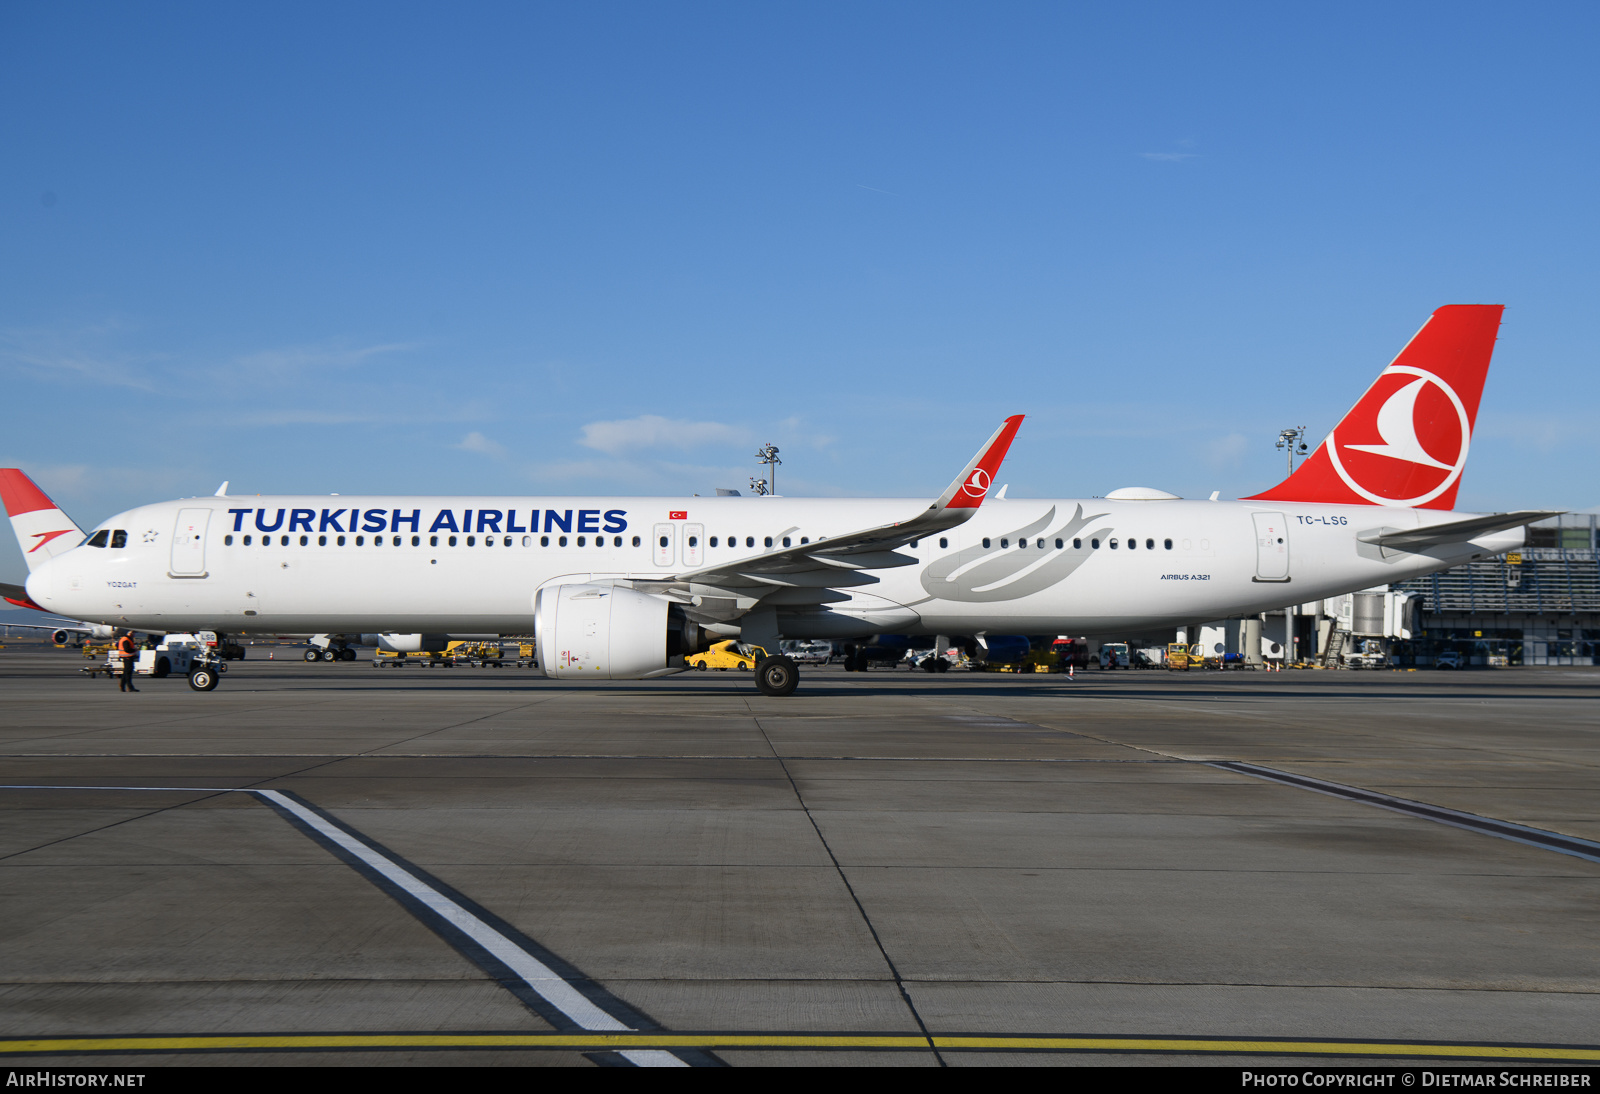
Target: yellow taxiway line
x=591, y=1042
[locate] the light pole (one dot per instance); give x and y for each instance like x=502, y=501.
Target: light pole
x=1292, y=441
x=768, y=454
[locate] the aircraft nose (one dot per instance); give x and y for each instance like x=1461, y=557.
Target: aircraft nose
x=40, y=583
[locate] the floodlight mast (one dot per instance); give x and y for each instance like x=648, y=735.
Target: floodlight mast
x=768, y=454
x=1292, y=441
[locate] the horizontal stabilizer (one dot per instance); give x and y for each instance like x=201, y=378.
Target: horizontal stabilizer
x=1457, y=531
x=17, y=595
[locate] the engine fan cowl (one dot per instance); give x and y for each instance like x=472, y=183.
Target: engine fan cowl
x=605, y=632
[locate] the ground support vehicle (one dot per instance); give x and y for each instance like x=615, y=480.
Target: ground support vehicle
x=191, y=655
x=722, y=656
x=807, y=653
x=1115, y=655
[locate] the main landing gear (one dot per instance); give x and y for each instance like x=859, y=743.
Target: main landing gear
x=777, y=676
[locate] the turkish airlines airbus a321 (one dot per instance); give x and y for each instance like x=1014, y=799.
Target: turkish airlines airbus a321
x=622, y=588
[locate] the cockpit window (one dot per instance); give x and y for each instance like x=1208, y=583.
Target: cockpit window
x=98, y=539
x=119, y=538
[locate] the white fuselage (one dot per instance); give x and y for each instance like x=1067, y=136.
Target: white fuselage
x=277, y=564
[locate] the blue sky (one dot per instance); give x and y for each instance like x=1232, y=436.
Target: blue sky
x=611, y=248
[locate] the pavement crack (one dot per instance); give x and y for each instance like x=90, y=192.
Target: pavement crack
x=894, y=971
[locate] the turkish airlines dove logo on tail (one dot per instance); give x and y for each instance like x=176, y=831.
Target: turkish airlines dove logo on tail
x=1406, y=442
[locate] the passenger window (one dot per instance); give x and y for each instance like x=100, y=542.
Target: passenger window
x=616, y=541
x=99, y=538
x=472, y=541
x=304, y=540
x=663, y=542
x=786, y=542
x=416, y=541
x=283, y=541
x=712, y=541
x=943, y=542
x=452, y=541
x=805, y=539
x=1077, y=545
x=636, y=541
x=247, y=541
x=339, y=541
x=1149, y=545
x=119, y=538
x=582, y=542
x=227, y=541
x=433, y=541
x=1004, y=543
x=1059, y=545
x=544, y=541
x=1094, y=544
x=1041, y=545
x=377, y=541
x=1167, y=543
x=322, y=541
x=527, y=541
x=561, y=541
x=1132, y=544
x=397, y=541
x=986, y=543
x=749, y=541
x=913, y=543
x=361, y=541
x=694, y=541
x=1113, y=545
x=768, y=541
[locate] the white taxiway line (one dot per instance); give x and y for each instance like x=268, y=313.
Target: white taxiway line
x=543, y=980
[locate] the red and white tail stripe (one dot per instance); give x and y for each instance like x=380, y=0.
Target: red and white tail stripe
x=43, y=530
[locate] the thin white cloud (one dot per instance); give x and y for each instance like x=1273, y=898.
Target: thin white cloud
x=1223, y=453
x=654, y=431
x=477, y=442
x=74, y=356
x=329, y=355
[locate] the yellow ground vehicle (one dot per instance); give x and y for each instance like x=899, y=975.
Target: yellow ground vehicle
x=722, y=656
x=1177, y=656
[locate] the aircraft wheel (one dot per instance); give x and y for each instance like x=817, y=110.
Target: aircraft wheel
x=313, y=654
x=777, y=676
x=203, y=679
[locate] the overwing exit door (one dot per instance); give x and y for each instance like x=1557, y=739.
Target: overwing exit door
x=665, y=542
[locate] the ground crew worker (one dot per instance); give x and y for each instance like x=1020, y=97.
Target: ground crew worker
x=127, y=651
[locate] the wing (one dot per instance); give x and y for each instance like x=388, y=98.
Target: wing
x=813, y=572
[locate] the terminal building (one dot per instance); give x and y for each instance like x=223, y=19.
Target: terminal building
x=1537, y=606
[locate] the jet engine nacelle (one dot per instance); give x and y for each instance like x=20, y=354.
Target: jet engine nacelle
x=605, y=632
x=407, y=643
x=102, y=631
x=61, y=638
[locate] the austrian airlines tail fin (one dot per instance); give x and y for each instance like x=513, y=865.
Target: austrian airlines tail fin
x=43, y=530
x=1405, y=441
